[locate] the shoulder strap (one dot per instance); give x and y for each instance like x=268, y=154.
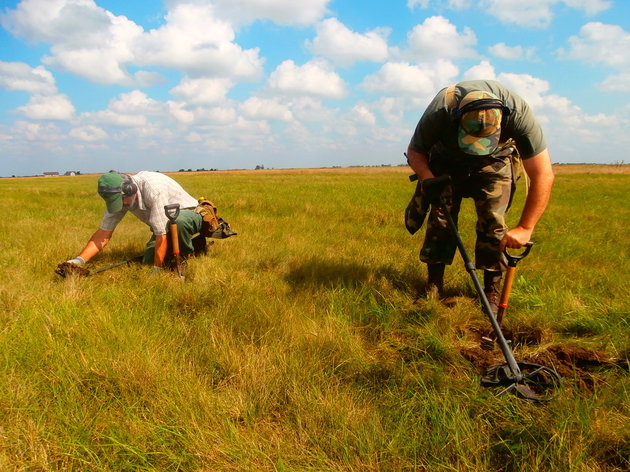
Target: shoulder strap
x=450, y=99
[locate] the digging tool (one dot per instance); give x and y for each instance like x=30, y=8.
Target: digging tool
x=65, y=268
x=531, y=381
x=172, y=212
x=509, y=279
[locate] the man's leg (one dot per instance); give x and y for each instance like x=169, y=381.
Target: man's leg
x=492, y=199
x=188, y=225
x=439, y=244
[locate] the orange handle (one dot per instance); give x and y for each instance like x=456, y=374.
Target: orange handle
x=505, y=293
x=174, y=239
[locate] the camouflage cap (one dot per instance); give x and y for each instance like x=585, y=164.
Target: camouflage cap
x=479, y=128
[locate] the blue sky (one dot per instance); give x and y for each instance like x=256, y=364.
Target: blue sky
x=93, y=85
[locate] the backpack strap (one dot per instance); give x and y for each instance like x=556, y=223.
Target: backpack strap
x=450, y=99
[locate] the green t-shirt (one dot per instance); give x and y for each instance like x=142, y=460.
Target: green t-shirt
x=437, y=124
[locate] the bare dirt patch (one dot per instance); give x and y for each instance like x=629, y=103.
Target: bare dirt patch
x=577, y=363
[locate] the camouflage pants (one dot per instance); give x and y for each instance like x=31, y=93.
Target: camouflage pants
x=491, y=187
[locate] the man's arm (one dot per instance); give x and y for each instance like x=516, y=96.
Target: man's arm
x=419, y=163
x=540, y=173
x=161, y=243
x=96, y=243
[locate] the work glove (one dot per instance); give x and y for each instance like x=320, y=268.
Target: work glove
x=432, y=189
x=78, y=261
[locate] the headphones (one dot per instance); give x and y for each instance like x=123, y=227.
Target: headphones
x=481, y=104
x=128, y=188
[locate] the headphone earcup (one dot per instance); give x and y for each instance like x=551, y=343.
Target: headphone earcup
x=129, y=188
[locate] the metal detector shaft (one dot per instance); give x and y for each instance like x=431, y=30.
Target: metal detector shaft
x=470, y=268
x=113, y=266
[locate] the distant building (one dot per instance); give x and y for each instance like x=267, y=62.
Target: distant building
x=70, y=173
x=51, y=174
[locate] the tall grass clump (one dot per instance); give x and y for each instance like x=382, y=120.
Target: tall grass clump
x=301, y=344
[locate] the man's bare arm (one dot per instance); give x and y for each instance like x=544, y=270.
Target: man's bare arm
x=540, y=173
x=419, y=163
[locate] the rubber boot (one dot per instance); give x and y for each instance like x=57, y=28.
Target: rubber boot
x=435, y=280
x=492, y=288
x=200, y=245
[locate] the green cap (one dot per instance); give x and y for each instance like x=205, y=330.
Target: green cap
x=479, y=129
x=110, y=188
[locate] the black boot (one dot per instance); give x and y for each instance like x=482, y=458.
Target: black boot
x=492, y=288
x=435, y=280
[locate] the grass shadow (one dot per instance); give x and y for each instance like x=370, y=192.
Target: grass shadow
x=325, y=273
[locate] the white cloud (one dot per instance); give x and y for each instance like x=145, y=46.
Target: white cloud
x=532, y=13
x=406, y=79
x=411, y=4
x=30, y=131
x=483, y=70
x=599, y=43
x=530, y=88
x=195, y=41
x=135, y=102
x=362, y=115
x=86, y=40
x=284, y=12
x=111, y=118
x=20, y=76
x=88, y=133
x=202, y=91
x=345, y=47
x=315, y=78
x=512, y=53
x=616, y=83
x=93, y=43
x=127, y=110
x=178, y=111
x=603, y=44
x=537, y=13
x=590, y=7
x=309, y=109
x=266, y=109
x=453, y=4
x=48, y=107
x=437, y=38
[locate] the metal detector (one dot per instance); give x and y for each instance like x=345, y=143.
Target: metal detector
x=531, y=381
x=66, y=269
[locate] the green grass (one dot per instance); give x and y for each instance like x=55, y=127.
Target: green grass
x=298, y=345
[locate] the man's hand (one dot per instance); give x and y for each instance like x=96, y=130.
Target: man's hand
x=515, y=238
x=78, y=261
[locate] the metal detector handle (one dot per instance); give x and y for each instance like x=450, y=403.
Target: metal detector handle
x=172, y=212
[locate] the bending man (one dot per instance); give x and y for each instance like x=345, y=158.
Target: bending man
x=145, y=194
x=475, y=131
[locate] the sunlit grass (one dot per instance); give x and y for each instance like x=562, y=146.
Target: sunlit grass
x=298, y=344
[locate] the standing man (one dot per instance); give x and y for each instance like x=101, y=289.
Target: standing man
x=476, y=132
x=144, y=194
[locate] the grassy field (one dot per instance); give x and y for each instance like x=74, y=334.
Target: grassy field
x=299, y=344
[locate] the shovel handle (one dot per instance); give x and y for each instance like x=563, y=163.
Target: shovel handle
x=172, y=212
x=513, y=260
